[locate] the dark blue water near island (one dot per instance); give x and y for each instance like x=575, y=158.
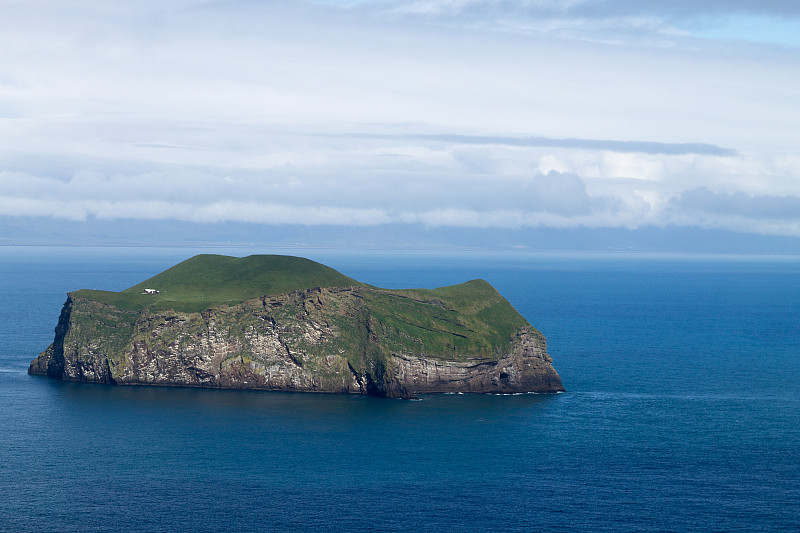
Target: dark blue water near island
x=682, y=411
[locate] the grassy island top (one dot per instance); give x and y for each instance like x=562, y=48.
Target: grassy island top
x=210, y=280
x=473, y=310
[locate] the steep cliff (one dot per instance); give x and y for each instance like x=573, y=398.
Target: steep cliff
x=317, y=331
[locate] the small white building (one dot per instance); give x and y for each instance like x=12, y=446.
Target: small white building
x=151, y=291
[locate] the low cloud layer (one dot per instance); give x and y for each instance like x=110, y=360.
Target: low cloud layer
x=435, y=189
x=645, y=147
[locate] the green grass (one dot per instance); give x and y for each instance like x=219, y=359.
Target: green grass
x=212, y=280
x=469, y=318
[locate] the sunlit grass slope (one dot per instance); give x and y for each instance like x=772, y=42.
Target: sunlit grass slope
x=211, y=280
x=471, y=317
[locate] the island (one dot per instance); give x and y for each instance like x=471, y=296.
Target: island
x=282, y=323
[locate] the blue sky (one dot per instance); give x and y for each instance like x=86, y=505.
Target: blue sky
x=501, y=114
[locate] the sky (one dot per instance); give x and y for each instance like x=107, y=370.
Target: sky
x=483, y=114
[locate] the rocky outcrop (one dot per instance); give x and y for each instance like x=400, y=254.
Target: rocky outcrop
x=335, y=340
x=526, y=367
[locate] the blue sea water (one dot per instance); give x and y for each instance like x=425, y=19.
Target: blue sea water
x=682, y=411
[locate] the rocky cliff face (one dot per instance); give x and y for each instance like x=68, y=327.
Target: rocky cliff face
x=315, y=340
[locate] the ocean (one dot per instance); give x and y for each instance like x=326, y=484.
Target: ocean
x=682, y=410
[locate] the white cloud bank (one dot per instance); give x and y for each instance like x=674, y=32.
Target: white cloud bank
x=370, y=113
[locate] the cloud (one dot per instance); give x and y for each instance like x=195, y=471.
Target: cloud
x=646, y=147
x=559, y=199
x=559, y=193
x=685, y=8
x=554, y=199
x=739, y=203
x=643, y=22
x=317, y=200
x=583, y=9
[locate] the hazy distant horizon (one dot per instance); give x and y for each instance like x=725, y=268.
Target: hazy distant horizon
x=44, y=232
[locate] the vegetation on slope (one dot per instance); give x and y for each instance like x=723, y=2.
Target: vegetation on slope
x=469, y=318
x=448, y=322
x=212, y=280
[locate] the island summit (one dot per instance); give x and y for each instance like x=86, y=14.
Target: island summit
x=284, y=323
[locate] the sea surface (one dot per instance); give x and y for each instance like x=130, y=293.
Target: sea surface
x=682, y=410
